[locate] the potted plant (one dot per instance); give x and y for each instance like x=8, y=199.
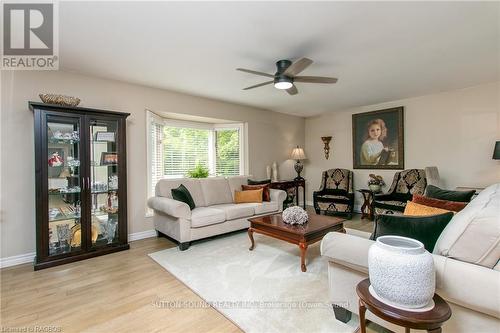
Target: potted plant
x=199, y=171
x=375, y=183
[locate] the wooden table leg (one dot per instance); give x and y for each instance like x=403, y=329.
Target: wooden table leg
x=364, y=213
x=303, y=249
x=407, y=330
x=362, y=320
x=250, y=235
x=436, y=330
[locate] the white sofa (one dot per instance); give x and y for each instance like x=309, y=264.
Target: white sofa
x=214, y=214
x=466, y=257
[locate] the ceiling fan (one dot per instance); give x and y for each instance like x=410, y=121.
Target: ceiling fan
x=285, y=76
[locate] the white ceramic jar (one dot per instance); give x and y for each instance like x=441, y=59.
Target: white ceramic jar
x=401, y=272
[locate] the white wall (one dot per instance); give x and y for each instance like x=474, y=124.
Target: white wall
x=455, y=131
x=271, y=137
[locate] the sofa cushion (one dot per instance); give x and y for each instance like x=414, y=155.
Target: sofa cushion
x=454, y=206
x=258, y=182
x=216, y=191
x=235, y=183
x=415, y=209
x=164, y=187
x=438, y=193
x=266, y=196
x=425, y=229
x=182, y=194
x=473, y=234
x=236, y=211
x=248, y=196
x=266, y=207
x=203, y=216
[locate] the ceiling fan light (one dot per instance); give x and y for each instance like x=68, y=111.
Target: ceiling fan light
x=283, y=85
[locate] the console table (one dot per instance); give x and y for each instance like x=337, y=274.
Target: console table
x=293, y=184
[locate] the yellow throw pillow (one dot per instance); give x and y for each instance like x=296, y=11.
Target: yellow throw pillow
x=416, y=209
x=248, y=196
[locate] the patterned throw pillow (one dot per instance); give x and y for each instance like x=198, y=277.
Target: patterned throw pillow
x=415, y=209
x=248, y=196
x=454, y=206
x=266, y=195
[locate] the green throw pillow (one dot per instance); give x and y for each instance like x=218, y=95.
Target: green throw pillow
x=259, y=182
x=425, y=229
x=435, y=192
x=182, y=194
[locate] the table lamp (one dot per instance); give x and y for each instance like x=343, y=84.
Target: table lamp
x=298, y=155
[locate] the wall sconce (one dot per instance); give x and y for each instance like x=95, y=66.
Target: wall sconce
x=326, y=141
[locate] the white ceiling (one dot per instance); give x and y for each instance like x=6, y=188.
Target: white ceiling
x=380, y=51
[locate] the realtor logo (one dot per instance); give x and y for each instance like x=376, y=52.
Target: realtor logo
x=29, y=36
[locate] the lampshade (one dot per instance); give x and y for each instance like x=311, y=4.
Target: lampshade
x=298, y=154
x=496, y=151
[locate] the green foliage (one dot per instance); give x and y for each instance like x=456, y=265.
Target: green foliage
x=185, y=148
x=228, y=152
x=199, y=171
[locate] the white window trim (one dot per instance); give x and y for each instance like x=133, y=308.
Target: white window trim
x=241, y=126
x=243, y=143
x=150, y=117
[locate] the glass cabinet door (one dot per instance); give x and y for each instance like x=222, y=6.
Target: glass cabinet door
x=64, y=184
x=104, y=180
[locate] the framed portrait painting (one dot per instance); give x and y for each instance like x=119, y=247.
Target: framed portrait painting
x=378, y=139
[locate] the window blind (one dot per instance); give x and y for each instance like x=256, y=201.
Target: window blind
x=157, y=153
x=184, y=148
x=227, y=151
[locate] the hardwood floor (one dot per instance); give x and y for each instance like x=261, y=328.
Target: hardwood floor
x=113, y=293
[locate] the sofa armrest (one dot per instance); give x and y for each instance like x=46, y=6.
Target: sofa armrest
x=347, y=250
x=383, y=197
x=277, y=195
x=170, y=207
x=472, y=286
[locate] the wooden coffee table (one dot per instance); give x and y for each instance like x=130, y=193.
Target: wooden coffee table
x=301, y=235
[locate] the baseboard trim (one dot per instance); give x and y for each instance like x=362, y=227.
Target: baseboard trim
x=141, y=235
x=29, y=257
x=17, y=260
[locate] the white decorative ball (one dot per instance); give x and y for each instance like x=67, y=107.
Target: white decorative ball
x=294, y=215
x=401, y=272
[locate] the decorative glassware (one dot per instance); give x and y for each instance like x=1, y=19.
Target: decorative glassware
x=111, y=230
x=63, y=235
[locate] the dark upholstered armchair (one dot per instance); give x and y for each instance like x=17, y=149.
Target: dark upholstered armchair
x=336, y=195
x=404, y=185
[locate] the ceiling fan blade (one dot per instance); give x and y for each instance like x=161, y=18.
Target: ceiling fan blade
x=259, y=85
x=292, y=91
x=315, y=79
x=297, y=67
x=254, y=72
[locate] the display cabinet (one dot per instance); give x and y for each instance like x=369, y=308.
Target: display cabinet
x=81, y=183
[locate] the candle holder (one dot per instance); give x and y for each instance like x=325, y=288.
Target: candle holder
x=326, y=140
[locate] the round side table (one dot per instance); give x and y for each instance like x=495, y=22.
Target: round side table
x=431, y=320
x=367, y=207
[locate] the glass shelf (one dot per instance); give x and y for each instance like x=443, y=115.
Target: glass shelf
x=65, y=217
x=59, y=192
x=63, y=141
x=105, y=191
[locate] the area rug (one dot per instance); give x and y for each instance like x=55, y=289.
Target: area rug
x=262, y=290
